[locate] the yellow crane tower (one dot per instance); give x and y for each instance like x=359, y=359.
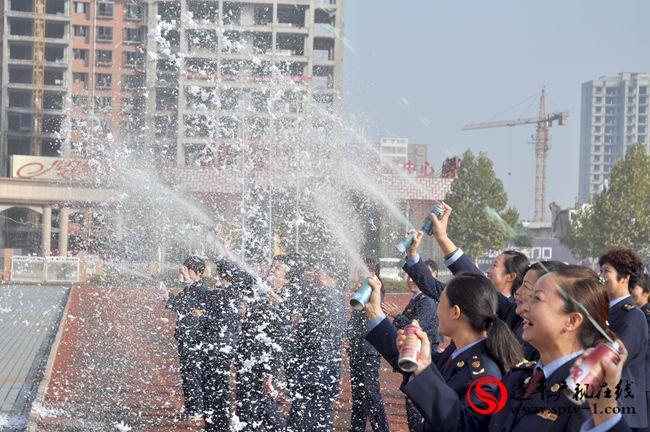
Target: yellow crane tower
x=544, y=122
x=38, y=76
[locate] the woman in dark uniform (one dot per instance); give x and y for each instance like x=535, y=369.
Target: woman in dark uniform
x=482, y=344
x=558, y=328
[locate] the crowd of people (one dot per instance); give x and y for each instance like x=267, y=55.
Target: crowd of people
x=496, y=348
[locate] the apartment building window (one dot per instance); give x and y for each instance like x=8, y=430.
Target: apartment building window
x=80, y=101
x=103, y=104
x=104, y=33
x=599, y=99
x=132, y=12
x=643, y=100
x=105, y=10
x=643, y=90
x=80, y=125
x=131, y=82
x=130, y=105
x=80, y=54
x=80, y=7
x=103, y=58
x=102, y=127
x=133, y=59
x=80, y=30
x=80, y=78
x=132, y=35
x=103, y=81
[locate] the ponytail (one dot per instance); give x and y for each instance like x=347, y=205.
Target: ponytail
x=476, y=297
x=502, y=343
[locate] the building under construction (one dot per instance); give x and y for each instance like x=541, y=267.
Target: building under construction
x=215, y=60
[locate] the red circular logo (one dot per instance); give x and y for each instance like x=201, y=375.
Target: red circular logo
x=492, y=404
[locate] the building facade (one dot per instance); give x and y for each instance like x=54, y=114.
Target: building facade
x=218, y=67
x=614, y=116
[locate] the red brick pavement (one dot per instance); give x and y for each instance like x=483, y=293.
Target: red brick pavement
x=116, y=363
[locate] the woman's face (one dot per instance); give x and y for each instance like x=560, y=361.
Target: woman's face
x=525, y=292
x=497, y=274
x=544, y=314
x=639, y=297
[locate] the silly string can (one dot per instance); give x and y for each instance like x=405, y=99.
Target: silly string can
x=427, y=227
x=587, y=378
x=361, y=297
x=409, y=352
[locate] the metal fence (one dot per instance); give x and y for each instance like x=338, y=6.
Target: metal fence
x=44, y=269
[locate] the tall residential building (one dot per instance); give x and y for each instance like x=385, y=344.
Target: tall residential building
x=22, y=39
x=614, y=117
x=108, y=71
x=215, y=63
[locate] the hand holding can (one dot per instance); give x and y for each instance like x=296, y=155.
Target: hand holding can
x=409, y=352
x=588, y=374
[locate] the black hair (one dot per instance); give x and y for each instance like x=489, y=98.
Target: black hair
x=517, y=263
x=644, y=283
x=477, y=299
x=433, y=266
x=543, y=267
x=626, y=262
x=196, y=264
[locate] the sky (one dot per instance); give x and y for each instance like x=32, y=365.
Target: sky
x=422, y=69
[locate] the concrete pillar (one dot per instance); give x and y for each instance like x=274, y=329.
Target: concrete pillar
x=46, y=231
x=64, y=215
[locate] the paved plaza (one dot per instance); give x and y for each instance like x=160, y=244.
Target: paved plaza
x=29, y=319
x=114, y=366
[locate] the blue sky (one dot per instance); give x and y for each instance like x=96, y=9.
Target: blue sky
x=422, y=69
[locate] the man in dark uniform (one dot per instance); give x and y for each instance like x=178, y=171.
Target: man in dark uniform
x=422, y=309
x=220, y=329
x=621, y=268
x=189, y=306
x=320, y=338
x=263, y=341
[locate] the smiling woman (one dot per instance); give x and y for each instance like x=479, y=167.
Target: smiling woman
x=561, y=333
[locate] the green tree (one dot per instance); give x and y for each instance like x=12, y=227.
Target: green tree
x=620, y=214
x=481, y=218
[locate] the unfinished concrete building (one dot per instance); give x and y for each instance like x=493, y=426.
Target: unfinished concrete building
x=108, y=76
x=216, y=61
x=35, y=69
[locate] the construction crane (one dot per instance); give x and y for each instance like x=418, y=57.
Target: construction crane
x=38, y=77
x=544, y=122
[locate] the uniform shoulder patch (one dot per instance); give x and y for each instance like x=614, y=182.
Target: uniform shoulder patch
x=525, y=364
x=628, y=307
x=647, y=311
x=477, y=367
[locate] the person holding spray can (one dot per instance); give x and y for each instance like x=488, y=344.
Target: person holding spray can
x=367, y=403
x=422, y=310
x=482, y=345
x=567, y=314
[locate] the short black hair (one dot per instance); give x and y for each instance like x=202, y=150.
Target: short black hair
x=196, y=264
x=626, y=262
x=433, y=266
x=644, y=283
